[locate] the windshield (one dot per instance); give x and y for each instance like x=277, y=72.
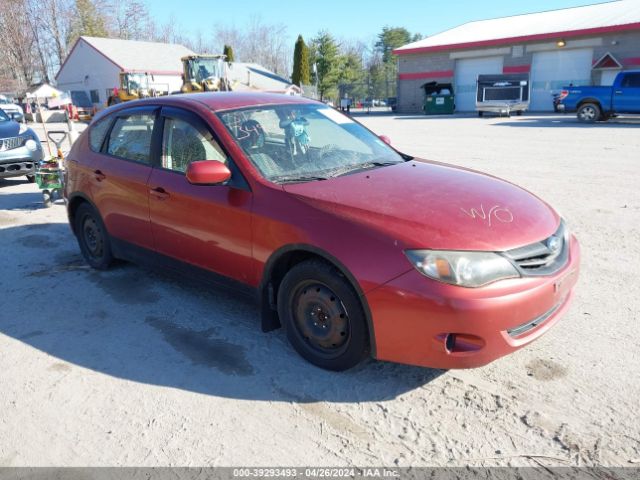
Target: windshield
x=305, y=142
x=4, y=117
x=136, y=81
x=202, y=69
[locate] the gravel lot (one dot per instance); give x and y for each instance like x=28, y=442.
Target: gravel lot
x=136, y=368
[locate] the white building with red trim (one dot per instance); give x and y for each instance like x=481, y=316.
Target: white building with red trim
x=581, y=45
x=94, y=64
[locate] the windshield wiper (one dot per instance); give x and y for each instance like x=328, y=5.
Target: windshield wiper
x=362, y=166
x=297, y=178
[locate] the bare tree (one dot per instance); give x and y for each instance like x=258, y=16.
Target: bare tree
x=258, y=42
x=55, y=20
x=17, y=42
x=128, y=19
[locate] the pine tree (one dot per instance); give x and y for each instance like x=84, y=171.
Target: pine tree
x=327, y=60
x=88, y=20
x=301, y=73
x=228, y=52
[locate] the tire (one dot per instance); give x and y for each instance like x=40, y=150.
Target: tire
x=323, y=316
x=480, y=113
x=93, y=238
x=589, y=113
x=519, y=113
x=31, y=178
x=46, y=198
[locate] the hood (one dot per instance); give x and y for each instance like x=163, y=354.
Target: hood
x=423, y=204
x=11, y=107
x=9, y=129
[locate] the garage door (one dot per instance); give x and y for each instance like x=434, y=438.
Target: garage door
x=608, y=77
x=467, y=71
x=553, y=70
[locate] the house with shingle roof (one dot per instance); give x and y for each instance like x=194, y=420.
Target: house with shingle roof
x=94, y=64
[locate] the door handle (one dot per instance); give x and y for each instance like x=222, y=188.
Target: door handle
x=99, y=176
x=618, y=92
x=160, y=193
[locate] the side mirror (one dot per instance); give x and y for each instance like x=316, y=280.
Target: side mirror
x=385, y=139
x=207, y=172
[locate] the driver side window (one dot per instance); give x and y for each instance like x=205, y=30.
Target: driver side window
x=183, y=143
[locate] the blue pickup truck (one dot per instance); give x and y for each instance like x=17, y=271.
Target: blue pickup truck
x=594, y=104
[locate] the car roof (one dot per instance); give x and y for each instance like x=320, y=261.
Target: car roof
x=227, y=100
x=216, y=101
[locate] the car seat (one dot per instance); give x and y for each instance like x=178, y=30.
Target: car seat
x=251, y=137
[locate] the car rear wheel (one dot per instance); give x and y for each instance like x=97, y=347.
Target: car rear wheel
x=323, y=316
x=92, y=237
x=589, y=113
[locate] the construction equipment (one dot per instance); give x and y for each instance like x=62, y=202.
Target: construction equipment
x=204, y=73
x=132, y=87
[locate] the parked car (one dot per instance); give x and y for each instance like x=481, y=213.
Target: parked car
x=593, y=104
x=14, y=111
x=355, y=248
x=82, y=105
x=20, y=149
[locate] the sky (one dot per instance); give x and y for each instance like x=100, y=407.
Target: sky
x=346, y=19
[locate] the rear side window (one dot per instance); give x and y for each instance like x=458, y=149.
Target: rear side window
x=97, y=132
x=131, y=137
x=631, y=80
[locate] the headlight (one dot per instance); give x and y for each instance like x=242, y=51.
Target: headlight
x=466, y=269
x=31, y=145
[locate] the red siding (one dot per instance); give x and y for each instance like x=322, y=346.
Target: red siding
x=517, y=69
x=421, y=75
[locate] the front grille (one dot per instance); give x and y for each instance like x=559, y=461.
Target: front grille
x=542, y=258
x=536, y=322
x=11, y=143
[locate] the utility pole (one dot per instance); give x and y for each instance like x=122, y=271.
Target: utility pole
x=315, y=74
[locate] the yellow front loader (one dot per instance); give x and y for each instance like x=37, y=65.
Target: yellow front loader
x=132, y=87
x=204, y=73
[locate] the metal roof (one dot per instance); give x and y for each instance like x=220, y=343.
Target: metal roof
x=622, y=15
x=256, y=76
x=136, y=56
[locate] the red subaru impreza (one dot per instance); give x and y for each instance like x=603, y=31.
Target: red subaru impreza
x=354, y=248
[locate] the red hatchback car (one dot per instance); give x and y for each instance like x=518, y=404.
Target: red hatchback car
x=353, y=247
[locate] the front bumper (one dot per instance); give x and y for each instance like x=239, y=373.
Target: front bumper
x=419, y=321
x=501, y=107
x=19, y=161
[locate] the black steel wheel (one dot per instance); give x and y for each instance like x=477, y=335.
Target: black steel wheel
x=320, y=318
x=92, y=237
x=323, y=316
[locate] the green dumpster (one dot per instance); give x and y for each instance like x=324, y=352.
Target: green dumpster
x=438, y=98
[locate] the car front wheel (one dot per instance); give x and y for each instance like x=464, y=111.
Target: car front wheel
x=323, y=316
x=92, y=237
